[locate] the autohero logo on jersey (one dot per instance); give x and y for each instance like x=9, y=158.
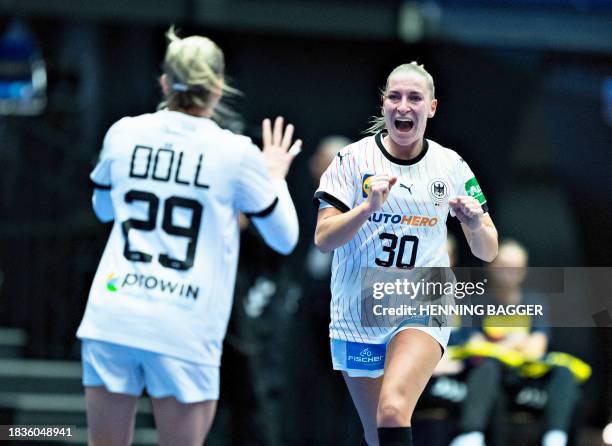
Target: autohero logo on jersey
x=365, y=356
x=135, y=283
x=401, y=219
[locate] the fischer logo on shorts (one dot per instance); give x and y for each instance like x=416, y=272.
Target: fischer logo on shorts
x=365, y=356
x=365, y=184
x=473, y=190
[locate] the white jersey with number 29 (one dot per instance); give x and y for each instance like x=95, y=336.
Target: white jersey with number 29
x=409, y=230
x=166, y=279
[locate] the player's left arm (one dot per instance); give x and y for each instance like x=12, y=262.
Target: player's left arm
x=479, y=230
x=266, y=171
x=470, y=206
x=101, y=178
x=103, y=204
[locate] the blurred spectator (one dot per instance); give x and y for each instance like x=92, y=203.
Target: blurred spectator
x=262, y=335
x=524, y=338
x=253, y=369
x=318, y=264
x=325, y=416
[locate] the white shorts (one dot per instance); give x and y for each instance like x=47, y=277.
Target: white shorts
x=129, y=370
x=362, y=360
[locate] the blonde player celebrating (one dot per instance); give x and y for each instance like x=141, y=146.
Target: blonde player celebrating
x=383, y=202
x=174, y=182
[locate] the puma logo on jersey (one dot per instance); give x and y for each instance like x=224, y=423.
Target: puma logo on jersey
x=341, y=156
x=407, y=187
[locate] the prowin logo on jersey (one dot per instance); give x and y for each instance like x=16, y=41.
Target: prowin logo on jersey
x=150, y=283
x=411, y=220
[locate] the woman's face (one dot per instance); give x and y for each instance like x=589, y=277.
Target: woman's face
x=407, y=105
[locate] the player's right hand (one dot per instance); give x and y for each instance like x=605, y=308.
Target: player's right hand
x=277, y=148
x=380, y=186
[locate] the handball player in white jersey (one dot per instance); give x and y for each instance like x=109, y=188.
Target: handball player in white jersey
x=383, y=202
x=174, y=183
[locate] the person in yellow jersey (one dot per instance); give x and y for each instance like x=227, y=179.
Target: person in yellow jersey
x=525, y=338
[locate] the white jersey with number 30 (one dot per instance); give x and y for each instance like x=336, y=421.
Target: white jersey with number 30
x=166, y=279
x=409, y=230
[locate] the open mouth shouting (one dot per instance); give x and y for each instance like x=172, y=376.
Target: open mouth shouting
x=404, y=124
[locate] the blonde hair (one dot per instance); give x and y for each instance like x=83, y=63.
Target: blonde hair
x=377, y=123
x=195, y=70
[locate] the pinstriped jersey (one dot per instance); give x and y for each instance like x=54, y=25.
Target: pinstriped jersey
x=166, y=279
x=409, y=229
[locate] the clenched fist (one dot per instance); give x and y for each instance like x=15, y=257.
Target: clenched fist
x=380, y=186
x=468, y=210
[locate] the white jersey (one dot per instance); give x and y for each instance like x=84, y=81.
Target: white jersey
x=166, y=279
x=409, y=230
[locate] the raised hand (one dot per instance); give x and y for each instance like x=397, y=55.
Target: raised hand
x=277, y=148
x=468, y=210
x=380, y=186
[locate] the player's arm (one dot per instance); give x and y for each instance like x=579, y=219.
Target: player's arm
x=278, y=224
x=100, y=178
x=335, y=228
x=103, y=204
x=479, y=230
